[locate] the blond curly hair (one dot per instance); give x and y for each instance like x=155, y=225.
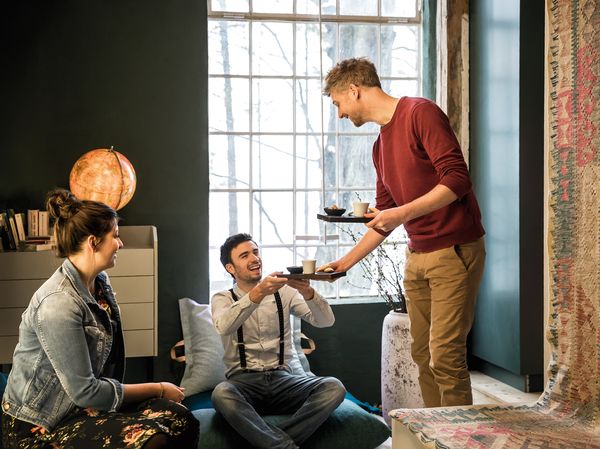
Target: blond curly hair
x=357, y=71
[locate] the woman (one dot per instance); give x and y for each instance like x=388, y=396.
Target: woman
x=65, y=388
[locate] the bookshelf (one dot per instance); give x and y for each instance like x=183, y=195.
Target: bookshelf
x=134, y=279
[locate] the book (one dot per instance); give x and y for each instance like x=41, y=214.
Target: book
x=43, y=223
x=13, y=226
x=20, y=221
x=7, y=237
x=32, y=222
x=23, y=246
x=38, y=239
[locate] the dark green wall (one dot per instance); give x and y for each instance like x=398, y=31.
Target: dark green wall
x=507, y=166
x=78, y=75
x=351, y=349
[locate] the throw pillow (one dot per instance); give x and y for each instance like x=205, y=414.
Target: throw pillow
x=348, y=426
x=204, y=367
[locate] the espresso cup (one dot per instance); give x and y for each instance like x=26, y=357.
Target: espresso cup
x=308, y=266
x=359, y=208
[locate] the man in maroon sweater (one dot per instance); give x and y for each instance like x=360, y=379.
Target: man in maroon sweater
x=422, y=183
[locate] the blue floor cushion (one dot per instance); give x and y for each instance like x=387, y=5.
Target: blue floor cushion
x=349, y=426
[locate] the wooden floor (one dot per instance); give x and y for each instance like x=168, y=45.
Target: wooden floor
x=487, y=390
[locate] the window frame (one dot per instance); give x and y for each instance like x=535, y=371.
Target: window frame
x=324, y=239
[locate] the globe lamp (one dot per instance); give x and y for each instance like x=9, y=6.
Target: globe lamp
x=103, y=175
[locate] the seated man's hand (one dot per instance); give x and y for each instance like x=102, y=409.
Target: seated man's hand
x=303, y=287
x=268, y=286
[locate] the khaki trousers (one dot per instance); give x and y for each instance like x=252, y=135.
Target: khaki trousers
x=441, y=290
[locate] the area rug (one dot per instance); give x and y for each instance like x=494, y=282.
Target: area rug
x=567, y=416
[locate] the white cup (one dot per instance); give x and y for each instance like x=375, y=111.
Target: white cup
x=359, y=208
x=308, y=266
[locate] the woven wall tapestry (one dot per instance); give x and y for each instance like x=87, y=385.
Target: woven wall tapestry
x=567, y=416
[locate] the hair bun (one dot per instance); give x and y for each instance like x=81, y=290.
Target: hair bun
x=62, y=204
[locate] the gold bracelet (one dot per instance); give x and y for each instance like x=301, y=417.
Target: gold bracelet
x=162, y=390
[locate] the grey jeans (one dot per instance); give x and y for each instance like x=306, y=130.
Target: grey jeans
x=245, y=396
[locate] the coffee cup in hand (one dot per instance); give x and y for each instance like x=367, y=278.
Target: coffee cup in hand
x=359, y=208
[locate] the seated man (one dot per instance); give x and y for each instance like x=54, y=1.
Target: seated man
x=253, y=321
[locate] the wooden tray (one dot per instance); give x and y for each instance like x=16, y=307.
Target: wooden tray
x=343, y=218
x=319, y=276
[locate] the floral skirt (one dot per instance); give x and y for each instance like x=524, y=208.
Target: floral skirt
x=129, y=428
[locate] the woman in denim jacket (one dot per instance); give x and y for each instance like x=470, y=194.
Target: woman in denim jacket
x=65, y=388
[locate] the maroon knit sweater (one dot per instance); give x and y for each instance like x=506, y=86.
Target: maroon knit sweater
x=413, y=153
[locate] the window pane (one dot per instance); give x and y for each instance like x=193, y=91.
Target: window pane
x=308, y=205
x=230, y=5
x=356, y=166
x=308, y=62
x=328, y=7
x=330, y=45
x=229, y=214
x=228, y=47
x=276, y=259
x=220, y=279
x=330, y=161
x=273, y=6
x=273, y=217
x=400, y=45
x=358, y=8
x=273, y=162
x=399, y=8
x=272, y=52
x=308, y=105
x=228, y=105
x=308, y=162
x=307, y=6
x=354, y=284
x=401, y=88
x=272, y=105
x=229, y=158
x=359, y=40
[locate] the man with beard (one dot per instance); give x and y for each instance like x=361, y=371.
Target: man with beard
x=253, y=319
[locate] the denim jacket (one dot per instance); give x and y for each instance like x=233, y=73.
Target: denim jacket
x=65, y=339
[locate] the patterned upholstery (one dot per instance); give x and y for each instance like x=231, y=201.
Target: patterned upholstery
x=567, y=416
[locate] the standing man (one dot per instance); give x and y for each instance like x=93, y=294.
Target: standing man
x=422, y=183
x=253, y=319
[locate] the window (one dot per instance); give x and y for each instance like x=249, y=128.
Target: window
x=278, y=152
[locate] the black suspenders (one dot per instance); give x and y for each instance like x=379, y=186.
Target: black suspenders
x=240, y=332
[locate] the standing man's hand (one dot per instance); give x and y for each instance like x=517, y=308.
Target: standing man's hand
x=330, y=267
x=387, y=220
x=268, y=286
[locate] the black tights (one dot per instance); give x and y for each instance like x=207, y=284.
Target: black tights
x=158, y=441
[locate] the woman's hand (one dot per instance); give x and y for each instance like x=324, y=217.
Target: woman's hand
x=171, y=391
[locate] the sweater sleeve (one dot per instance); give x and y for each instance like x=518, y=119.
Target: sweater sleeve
x=439, y=142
